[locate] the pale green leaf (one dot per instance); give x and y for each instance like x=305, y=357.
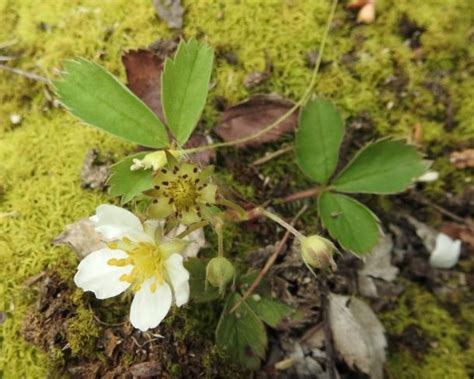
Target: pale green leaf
x=270, y=311
x=318, y=138
x=94, y=95
x=349, y=222
x=242, y=334
x=197, y=281
x=184, y=87
x=127, y=183
x=383, y=167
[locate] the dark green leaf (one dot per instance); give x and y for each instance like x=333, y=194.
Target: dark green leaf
x=383, y=167
x=197, y=281
x=352, y=224
x=185, y=83
x=318, y=139
x=270, y=311
x=127, y=183
x=242, y=334
x=94, y=95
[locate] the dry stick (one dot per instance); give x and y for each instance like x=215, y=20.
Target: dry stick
x=273, y=155
x=26, y=74
x=269, y=263
x=301, y=195
x=298, y=104
x=439, y=208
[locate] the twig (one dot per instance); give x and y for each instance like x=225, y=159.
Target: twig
x=272, y=155
x=26, y=74
x=328, y=340
x=440, y=209
x=301, y=195
x=269, y=263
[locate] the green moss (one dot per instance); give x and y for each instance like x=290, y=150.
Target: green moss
x=40, y=160
x=82, y=333
x=444, y=358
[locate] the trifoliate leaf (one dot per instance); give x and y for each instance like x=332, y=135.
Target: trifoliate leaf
x=185, y=82
x=94, y=95
x=383, y=167
x=352, y=224
x=318, y=139
x=241, y=333
x=197, y=281
x=270, y=311
x=127, y=183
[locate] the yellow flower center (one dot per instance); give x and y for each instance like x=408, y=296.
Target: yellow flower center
x=183, y=193
x=146, y=259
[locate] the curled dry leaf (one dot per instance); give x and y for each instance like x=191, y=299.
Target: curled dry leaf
x=377, y=265
x=170, y=11
x=143, y=70
x=358, y=334
x=81, y=237
x=462, y=159
x=253, y=115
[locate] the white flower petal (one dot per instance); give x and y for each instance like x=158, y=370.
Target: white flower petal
x=179, y=278
x=196, y=238
x=114, y=222
x=446, y=252
x=96, y=275
x=150, y=308
x=429, y=176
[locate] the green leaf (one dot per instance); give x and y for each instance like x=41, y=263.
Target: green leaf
x=197, y=281
x=318, y=139
x=352, y=224
x=94, y=95
x=127, y=183
x=270, y=311
x=242, y=334
x=383, y=167
x=184, y=87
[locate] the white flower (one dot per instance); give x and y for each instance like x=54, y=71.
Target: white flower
x=446, y=252
x=138, y=256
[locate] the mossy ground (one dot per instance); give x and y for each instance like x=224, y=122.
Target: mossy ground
x=368, y=71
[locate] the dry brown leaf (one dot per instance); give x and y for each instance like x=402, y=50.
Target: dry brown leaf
x=253, y=115
x=377, y=265
x=464, y=233
x=170, y=11
x=358, y=334
x=81, y=237
x=462, y=159
x=143, y=69
x=146, y=369
x=94, y=173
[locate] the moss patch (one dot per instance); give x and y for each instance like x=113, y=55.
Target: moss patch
x=426, y=340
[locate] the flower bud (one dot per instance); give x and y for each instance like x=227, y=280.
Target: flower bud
x=155, y=160
x=220, y=272
x=317, y=252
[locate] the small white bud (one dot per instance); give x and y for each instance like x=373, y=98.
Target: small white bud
x=219, y=272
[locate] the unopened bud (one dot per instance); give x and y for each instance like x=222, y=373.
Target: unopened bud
x=317, y=252
x=155, y=160
x=220, y=272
